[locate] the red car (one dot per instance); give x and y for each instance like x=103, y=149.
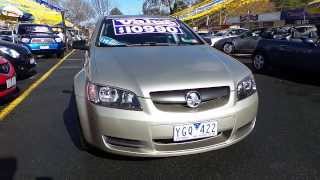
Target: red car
x=7, y=78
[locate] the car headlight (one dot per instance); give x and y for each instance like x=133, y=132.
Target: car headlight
x=246, y=88
x=25, y=40
x=11, y=52
x=112, y=97
x=58, y=40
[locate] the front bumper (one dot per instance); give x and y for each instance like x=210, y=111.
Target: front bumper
x=24, y=67
x=7, y=92
x=51, y=48
x=149, y=133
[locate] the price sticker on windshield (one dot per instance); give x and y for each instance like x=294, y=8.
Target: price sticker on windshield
x=146, y=25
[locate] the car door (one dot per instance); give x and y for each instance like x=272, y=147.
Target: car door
x=279, y=52
x=307, y=55
x=300, y=54
x=246, y=43
x=314, y=57
x=241, y=43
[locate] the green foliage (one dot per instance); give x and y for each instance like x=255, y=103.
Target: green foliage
x=115, y=11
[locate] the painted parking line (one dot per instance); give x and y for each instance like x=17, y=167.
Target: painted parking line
x=8, y=109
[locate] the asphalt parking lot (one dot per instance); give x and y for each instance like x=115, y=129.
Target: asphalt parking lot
x=38, y=139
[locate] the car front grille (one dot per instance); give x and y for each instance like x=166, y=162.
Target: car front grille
x=3, y=87
x=175, y=101
x=225, y=134
x=42, y=40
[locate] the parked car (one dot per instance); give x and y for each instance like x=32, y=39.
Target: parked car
x=7, y=78
x=206, y=35
x=245, y=43
x=150, y=87
x=301, y=54
x=7, y=35
x=232, y=32
x=19, y=56
x=73, y=35
x=40, y=39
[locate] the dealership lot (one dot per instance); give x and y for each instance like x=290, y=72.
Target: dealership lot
x=39, y=137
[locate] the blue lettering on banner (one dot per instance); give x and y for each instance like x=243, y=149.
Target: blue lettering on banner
x=146, y=25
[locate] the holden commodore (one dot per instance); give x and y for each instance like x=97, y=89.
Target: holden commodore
x=151, y=87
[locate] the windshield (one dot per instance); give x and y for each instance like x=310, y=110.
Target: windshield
x=221, y=33
x=26, y=29
x=204, y=34
x=8, y=33
x=145, y=31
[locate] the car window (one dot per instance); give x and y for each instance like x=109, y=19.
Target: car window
x=8, y=33
x=26, y=29
x=204, y=34
x=145, y=31
x=221, y=33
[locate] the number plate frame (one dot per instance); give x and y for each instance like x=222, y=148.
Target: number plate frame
x=190, y=131
x=11, y=82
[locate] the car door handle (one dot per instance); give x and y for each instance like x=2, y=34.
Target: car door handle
x=283, y=47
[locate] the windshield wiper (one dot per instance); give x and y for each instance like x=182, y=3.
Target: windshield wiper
x=151, y=44
x=108, y=45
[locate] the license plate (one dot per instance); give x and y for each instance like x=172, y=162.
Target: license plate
x=44, y=47
x=195, y=131
x=32, y=61
x=11, y=82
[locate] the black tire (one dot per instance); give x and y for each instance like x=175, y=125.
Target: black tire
x=60, y=54
x=259, y=62
x=228, y=48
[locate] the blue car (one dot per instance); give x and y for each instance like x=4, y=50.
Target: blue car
x=40, y=39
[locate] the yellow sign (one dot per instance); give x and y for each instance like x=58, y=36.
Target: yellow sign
x=41, y=13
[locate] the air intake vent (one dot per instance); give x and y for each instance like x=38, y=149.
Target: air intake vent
x=4, y=68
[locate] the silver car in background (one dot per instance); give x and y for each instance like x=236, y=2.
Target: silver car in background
x=151, y=87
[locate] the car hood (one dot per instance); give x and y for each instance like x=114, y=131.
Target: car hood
x=149, y=69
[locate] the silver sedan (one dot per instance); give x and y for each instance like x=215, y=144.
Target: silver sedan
x=151, y=87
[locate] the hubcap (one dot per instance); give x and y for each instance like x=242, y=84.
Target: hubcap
x=227, y=48
x=258, y=62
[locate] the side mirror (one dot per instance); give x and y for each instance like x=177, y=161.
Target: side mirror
x=81, y=45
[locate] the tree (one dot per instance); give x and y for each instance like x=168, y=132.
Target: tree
x=78, y=10
x=288, y=4
x=164, y=7
x=102, y=6
x=115, y=11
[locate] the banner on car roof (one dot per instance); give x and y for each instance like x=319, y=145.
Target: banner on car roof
x=145, y=25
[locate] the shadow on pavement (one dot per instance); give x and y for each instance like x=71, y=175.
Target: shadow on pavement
x=8, y=167
x=298, y=76
x=72, y=125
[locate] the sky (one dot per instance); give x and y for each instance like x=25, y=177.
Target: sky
x=128, y=7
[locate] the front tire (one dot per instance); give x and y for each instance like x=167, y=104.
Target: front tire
x=259, y=62
x=60, y=54
x=228, y=48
